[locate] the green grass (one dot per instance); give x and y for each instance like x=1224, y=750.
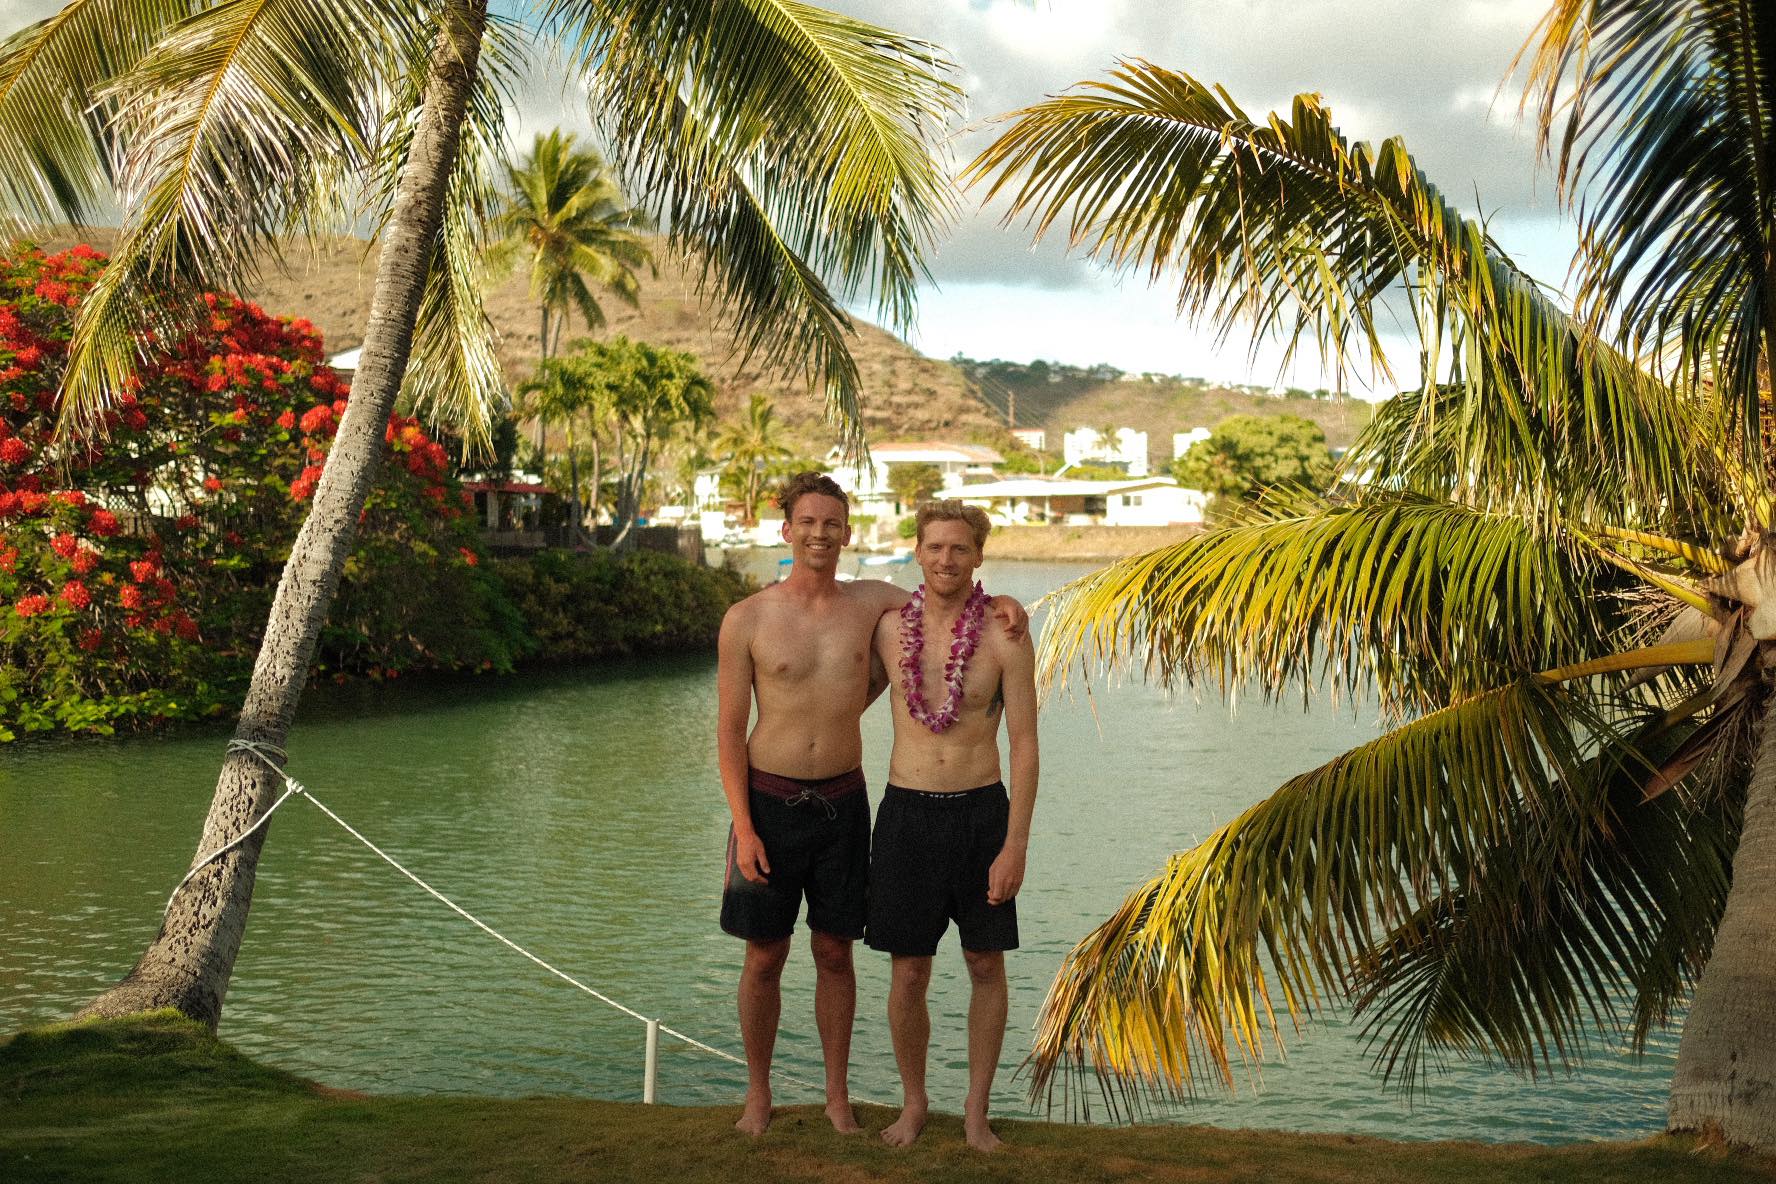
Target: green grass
x=157, y=1098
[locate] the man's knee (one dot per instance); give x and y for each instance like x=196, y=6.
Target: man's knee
x=832, y=955
x=765, y=959
x=911, y=973
x=985, y=967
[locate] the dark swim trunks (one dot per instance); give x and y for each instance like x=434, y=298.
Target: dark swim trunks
x=928, y=865
x=816, y=836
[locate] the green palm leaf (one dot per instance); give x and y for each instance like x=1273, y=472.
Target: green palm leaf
x=1662, y=111
x=53, y=164
x=243, y=122
x=1282, y=904
x=1421, y=599
x=1284, y=226
x=1604, y=898
x=784, y=146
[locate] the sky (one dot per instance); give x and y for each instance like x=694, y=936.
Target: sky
x=1429, y=70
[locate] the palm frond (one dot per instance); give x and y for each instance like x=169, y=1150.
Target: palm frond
x=1663, y=113
x=788, y=148
x=1423, y=600
x=1279, y=906
x=1602, y=903
x=53, y=135
x=1287, y=228
x=241, y=123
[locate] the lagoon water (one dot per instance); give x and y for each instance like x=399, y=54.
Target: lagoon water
x=581, y=815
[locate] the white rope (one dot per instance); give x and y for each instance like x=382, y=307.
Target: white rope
x=295, y=787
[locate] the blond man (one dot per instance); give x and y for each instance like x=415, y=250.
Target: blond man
x=950, y=842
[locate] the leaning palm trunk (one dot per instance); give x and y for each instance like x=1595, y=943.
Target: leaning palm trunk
x=187, y=966
x=1726, y=1062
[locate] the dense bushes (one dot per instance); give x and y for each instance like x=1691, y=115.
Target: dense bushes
x=578, y=607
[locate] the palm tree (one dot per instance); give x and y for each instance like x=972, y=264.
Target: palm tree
x=750, y=445
x=1555, y=575
x=566, y=217
x=563, y=389
x=780, y=142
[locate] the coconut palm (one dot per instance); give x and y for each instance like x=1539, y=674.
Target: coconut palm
x=568, y=389
x=566, y=217
x=789, y=150
x=749, y=446
x=1552, y=568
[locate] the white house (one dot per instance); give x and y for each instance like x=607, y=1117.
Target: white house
x=1150, y=501
x=1033, y=438
x=1182, y=441
x=1087, y=446
x=871, y=493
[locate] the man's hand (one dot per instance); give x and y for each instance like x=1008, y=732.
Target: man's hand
x=1011, y=614
x=749, y=857
x=1006, y=875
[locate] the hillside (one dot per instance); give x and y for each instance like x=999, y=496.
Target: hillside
x=906, y=395
x=1061, y=398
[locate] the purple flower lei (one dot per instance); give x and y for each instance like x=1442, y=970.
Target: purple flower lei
x=965, y=638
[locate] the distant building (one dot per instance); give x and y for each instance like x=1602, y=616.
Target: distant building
x=1126, y=448
x=1033, y=438
x=1182, y=441
x=871, y=493
x=1151, y=501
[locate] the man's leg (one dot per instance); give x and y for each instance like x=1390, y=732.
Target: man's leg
x=761, y=999
x=909, y=1023
x=986, y=1035
x=835, y=1009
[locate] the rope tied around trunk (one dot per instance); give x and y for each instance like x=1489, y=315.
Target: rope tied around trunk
x=273, y=757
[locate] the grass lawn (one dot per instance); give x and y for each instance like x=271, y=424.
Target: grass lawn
x=157, y=1099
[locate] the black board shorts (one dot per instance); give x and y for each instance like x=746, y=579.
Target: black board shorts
x=928, y=866
x=816, y=837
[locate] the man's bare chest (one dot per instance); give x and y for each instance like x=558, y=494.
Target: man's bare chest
x=791, y=647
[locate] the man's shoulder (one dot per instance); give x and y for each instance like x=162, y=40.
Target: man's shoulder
x=743, y=612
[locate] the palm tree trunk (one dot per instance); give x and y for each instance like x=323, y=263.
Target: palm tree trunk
x=1725, y=1083
x=573, y=485
x=189, y=963
x=597, y=477
x=542, y=356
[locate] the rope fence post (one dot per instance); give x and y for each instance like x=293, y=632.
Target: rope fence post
x=651, y=1071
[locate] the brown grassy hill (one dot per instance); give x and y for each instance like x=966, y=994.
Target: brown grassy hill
x=906, y=395
x=1061, y=398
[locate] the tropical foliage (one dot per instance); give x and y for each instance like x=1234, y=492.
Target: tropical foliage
x=1247, y=454
x=134, y=579
x=1548, y=565
x=914, y=483
x=749, y=448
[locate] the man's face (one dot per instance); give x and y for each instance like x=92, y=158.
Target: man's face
x=816, y=530
x=948, y=556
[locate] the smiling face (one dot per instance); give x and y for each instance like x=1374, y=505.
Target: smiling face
x=816, y=529
x=948, y=556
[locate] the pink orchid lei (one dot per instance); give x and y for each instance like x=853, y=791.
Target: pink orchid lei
x=965, y=639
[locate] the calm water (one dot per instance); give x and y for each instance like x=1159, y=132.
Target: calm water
x=582, y=816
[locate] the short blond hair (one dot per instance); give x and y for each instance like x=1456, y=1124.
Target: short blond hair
x=951, y=510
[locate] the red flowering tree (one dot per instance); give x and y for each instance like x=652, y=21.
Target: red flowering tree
x=137, y=562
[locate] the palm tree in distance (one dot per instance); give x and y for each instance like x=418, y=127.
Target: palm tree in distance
x=568, y=389
x=566, y=219
x=789, y=150
x=1556, y=576
x=748, y=446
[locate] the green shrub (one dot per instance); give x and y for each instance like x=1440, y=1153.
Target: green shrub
x=578, y=607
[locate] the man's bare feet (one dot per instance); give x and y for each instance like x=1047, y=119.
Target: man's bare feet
x=906, y=1128
x=757, y=1114
x=843, y=1118
x=980, y=1136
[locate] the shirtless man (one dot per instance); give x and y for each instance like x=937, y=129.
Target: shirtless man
x=949, y=843
x=795, y=789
